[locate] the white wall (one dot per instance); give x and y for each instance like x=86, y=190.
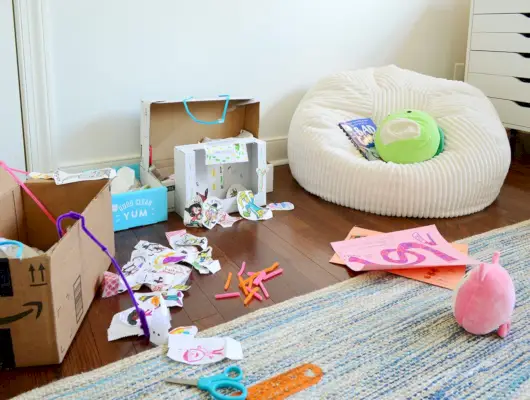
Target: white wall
x=104, y=56
x=11, y=139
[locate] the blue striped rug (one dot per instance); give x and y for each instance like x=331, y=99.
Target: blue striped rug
x=377, y=336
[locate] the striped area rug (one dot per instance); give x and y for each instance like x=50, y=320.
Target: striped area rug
x=377, y=336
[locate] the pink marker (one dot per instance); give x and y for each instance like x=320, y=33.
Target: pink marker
x=262, y=287
x=273, y=274
x=242, y=269
x=227, y=295
x=259, y=278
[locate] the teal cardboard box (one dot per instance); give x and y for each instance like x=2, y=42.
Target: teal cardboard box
x=141, y=207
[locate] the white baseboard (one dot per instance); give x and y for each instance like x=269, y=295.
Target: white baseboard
x=276, y=155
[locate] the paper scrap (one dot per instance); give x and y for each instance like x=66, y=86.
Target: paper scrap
x=193, y=212
x=172, y=297
x=446, y=277
x=110, y=285
x=185, y=330
x=127, y=323
x=159, y=325
x=193, y=351
x=180, y=238
x=204, y=263
x=284, y=206
x=226, y=220
x=63, y=178
x=210, y=212
x=261, y=178
x=411, y=248
x=224, y=153
x=249, y=210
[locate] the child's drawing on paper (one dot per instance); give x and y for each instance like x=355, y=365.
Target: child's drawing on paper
x=249, y=210
x=193, y=215
x=197, y=354
x=211, y=209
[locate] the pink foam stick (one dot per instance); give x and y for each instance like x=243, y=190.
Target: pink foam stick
x=227, y=295
x=262, y=287
x=259, y=278
x=242, y=269
x=273, y=274
x=258, y=296
x=250, y=273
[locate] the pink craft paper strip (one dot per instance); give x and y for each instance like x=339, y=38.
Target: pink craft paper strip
x=242, y=269
x=227, y=295
x=264, y=290
x=273, y=274
x=412, y=248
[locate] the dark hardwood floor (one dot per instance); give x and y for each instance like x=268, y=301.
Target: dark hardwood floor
x=298, y=240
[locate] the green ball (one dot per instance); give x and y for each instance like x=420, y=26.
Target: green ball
x=407, y=137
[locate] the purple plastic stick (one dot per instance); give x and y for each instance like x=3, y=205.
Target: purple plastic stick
x=77, y=216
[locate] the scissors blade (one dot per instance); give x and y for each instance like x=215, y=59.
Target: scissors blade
x=188, y=382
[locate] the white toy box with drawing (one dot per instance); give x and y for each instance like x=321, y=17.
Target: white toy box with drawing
x=209, y=170
x=181, y=138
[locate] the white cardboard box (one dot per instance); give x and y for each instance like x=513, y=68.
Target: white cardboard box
x=197, y=176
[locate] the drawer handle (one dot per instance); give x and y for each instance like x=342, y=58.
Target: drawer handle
x=522, y=104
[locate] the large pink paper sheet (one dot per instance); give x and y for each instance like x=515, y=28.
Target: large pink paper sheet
x=411, y=248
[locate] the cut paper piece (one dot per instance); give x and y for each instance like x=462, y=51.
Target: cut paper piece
x=110, y=285
x=226, y=221
x=160, y=324
x=41, y=175
x=234, y=190
x=225, y=153
x=205, y=264
x=446, y=277
x=411, y=248
x=193, y=212
x=261, y=178
x=191, y=331
x=63, y=178
x=127, y=323
x=193, y=351
x=181, y=238
x=172, y=297
x=211, y=209
x=284, y=206
x=249, y=210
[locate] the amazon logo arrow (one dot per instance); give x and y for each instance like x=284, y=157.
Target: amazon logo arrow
x=16, y=317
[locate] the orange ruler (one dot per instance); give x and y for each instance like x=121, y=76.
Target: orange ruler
x=284, y=385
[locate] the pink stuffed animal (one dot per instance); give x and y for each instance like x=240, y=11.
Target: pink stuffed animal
x=484, y=299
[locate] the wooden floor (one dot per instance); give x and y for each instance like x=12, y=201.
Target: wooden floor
x=298, y=239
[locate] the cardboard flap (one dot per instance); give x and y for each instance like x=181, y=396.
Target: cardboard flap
x=169, y=124
x=11, y=209
x=7, y=183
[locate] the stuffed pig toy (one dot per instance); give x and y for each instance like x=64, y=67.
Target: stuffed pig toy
x=484, y=299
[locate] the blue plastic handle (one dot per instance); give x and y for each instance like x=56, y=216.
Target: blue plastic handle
x=14, y=243
x=199, y=121
x=213, y=384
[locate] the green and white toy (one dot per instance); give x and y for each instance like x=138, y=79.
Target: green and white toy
x=409, y=136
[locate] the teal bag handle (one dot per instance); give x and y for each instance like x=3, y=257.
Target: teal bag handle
x=217, y=121
x=14, y=243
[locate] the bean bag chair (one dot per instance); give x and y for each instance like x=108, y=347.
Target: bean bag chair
x=465, y=178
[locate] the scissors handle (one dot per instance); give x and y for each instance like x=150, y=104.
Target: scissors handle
x=229, y=379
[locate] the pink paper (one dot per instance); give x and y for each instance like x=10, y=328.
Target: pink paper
x=411, y=248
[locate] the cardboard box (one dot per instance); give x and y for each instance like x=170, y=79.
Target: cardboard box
x=195, y=176
x=166, y=124
x=44, y=299
x=141, y=207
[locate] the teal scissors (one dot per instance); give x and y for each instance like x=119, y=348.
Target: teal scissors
x=229, y=379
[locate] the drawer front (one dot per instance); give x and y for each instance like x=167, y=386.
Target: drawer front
x=497, y=63
x=502, y=87
x=501, y=6
x=519, y=23
x=510, y=42
x=513, y=113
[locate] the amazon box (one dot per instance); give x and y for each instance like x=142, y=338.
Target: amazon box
x=44, y=299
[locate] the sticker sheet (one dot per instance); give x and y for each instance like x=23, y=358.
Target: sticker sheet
x=225, y=153
x=193, y=351
x=284, y=206
x=249, y=210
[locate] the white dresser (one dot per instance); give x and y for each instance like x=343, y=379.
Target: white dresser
x=498, y=57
